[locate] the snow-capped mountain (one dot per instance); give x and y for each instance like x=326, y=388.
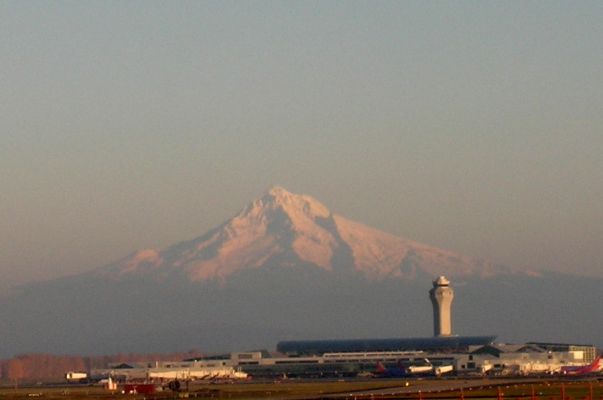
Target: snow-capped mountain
x=288, y=230
x=286, y=267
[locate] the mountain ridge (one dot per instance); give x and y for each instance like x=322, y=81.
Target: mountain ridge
x=287, y=229
x=352, y=282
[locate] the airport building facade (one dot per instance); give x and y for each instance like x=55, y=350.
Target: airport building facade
x=487, y=359
x=359, y=357
x=431, y=344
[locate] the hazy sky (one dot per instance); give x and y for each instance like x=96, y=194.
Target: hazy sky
x=473, y=126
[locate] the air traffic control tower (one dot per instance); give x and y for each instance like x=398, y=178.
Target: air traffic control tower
x=441, y=296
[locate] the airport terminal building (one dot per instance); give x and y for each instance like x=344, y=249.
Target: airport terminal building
x=468, y=354
x=359, y=357
x=445, y=344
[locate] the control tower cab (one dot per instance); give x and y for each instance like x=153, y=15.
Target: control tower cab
x=441, y=296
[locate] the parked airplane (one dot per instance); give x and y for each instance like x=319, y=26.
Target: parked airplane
x=76, y=376
x=591, y=368
x=443, y=369
x=395, y=372
x=401, y=371
x=196, y=373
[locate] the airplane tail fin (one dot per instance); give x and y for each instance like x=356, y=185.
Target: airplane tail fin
x=596, y=364
x=402, y=366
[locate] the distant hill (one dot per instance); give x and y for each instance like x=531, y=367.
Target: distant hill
x=286, y=267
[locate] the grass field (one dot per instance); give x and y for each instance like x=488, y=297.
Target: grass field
x=352, y=389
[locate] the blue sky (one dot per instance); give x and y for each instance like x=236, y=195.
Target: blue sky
x=473, y=126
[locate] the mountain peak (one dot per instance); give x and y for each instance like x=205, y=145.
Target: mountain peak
x=277, y=191
x=287, y=230
x=294, y=205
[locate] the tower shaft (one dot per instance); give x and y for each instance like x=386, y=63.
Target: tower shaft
x=441, y=296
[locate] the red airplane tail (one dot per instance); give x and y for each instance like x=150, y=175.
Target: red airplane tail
x=380, y=368
x=593, y=367
x=596, y=364
x=401, y=366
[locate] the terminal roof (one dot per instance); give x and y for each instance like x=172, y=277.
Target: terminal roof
x=440, y=343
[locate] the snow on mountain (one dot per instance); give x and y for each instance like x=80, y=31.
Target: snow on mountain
x=296, y=231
